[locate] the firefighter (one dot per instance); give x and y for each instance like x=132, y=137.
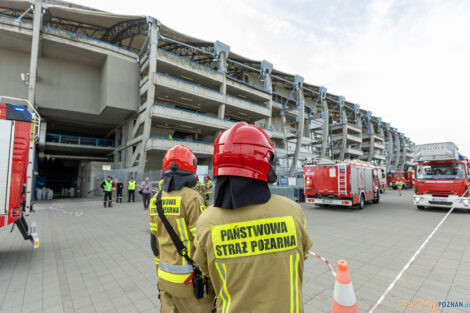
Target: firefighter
x=131, y=190
x=182, y=206
x=119, y=188
x=250, y=243
x=107, y=187
x=399, y=184
x=160, y=182
x=207, y=187
x=198, y=186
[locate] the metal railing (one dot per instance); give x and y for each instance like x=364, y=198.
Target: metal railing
x=209, y=89
x=80, y=141
x=182, y=140
x=246, y=83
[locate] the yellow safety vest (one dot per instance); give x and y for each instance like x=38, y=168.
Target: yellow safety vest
x=131, y=185
x=108, y=185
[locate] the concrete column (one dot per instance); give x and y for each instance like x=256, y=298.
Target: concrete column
x=284, y=127
x=266, y=70
x=223, y=88
x=402, y=152
x=359, y=125
x=153, y=54
x=344, y=123
x=388, y=133
x=300, y=102
x=371, y=133
x=33, y=63
x=117, y=136
x=396, y=148
x=326, y=120
x=221, y=52
x=128, y=151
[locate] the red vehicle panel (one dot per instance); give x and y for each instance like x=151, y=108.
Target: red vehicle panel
x=442, y=177
x=340, y=183
x=19, y=125
x=18, y=168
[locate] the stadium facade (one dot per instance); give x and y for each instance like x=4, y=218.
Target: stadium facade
x=119, y=90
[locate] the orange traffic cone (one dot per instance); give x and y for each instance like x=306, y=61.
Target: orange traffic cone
x=344, y=299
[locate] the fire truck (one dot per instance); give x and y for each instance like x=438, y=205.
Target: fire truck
x=382, y=173
x=442, y=177
x=407, y=177
x=19, y=130
x=335, y=183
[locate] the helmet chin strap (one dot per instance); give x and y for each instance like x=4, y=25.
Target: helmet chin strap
x=272, y=176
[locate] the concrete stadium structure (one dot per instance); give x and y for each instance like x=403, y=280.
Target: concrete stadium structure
x=119, y=90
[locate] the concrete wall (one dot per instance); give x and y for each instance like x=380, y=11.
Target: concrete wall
x=119, y=84
x=69, y=85
x=91, y=176
x=12, y=63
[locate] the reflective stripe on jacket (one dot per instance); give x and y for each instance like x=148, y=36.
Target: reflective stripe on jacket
x=254, y=256
x=182, y=208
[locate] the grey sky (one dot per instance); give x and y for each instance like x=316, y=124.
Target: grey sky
x=407, y=61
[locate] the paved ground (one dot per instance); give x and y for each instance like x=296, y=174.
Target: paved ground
x=101, y=261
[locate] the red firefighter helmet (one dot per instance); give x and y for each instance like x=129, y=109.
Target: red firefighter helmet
x=182, y=156
x=207, y=176
x=244, y=150
x=197, y=177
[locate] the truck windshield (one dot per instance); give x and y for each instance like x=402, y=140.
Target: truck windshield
x=397, y=174
x=441, y=171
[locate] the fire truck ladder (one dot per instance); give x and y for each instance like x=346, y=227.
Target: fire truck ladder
x=342, y=179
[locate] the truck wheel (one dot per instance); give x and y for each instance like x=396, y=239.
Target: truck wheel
x=421, y=207
x=376, y=197
x=361, y=203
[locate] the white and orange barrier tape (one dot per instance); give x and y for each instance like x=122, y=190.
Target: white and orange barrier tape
x=413, y=258
x=78, y=214
x=324, y=260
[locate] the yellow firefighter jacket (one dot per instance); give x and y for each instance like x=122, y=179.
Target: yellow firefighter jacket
x=182, y=208
x=254, y=255
x=198, y=187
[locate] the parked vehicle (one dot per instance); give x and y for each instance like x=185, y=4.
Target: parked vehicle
x=407, y=177
x=348, y=183
x=442, y=177
x=19, y=129
x=382, y=174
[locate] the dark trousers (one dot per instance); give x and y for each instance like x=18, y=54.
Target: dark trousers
x=108, y=198
x=119, y=195
x=131, y=194
x=146, y=199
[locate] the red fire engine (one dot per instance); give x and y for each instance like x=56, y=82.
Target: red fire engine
x=345, y=183
x=19, y=129
x=382, y=173
x=407, y=177
x=442, y=177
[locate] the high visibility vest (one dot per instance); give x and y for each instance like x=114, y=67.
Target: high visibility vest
x=131, y=185
x=108, y=185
